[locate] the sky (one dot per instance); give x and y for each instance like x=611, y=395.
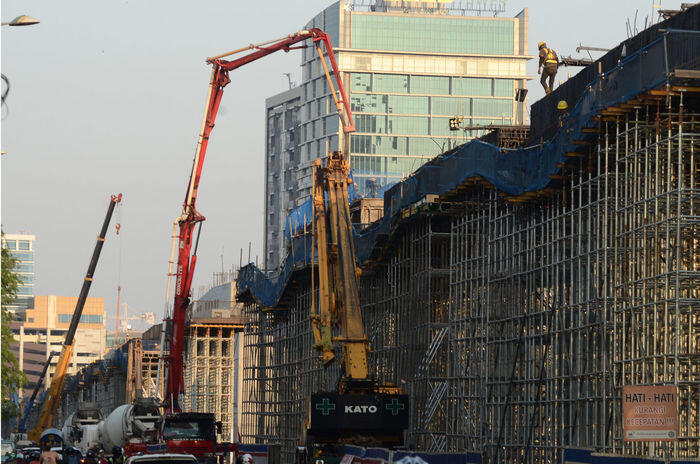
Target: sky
x=107, y=97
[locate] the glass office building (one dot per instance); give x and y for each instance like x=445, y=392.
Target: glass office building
x=21, y=247
x=408, y=68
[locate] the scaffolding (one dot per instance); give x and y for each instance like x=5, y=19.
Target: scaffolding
x=212, y=370
x=514, y=322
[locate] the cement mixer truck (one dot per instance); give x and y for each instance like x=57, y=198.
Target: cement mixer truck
x=134, y=427
x=86, y=414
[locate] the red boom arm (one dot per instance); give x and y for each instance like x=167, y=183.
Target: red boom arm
x=190, y=217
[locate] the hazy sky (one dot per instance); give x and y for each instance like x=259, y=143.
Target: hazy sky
x=108, y=96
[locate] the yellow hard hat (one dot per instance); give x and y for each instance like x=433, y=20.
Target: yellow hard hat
x=562, y=105
x=540, y=45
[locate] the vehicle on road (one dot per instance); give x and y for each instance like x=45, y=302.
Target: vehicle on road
x=169, y=458
x=7, y=447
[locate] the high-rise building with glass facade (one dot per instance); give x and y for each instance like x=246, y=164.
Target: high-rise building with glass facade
x=408, y=68
x=21, y=247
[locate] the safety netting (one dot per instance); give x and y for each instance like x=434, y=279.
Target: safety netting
x=512, y=171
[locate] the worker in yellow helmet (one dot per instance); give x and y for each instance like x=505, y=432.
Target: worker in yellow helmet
x=562, y=112
x=550, y=62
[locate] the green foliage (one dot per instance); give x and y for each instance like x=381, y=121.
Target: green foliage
x=12, y=378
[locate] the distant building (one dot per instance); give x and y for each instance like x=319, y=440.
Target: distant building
x=409, y=67
x=44, y=330
x=283, y=162
x=21, y=247
x=111, y=342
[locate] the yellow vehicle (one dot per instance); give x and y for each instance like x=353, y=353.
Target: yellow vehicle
x=361, y=412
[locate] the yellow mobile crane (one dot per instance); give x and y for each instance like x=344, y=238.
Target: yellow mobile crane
x=362, y=412
x=53, y=397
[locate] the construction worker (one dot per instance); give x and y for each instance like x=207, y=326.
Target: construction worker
x=550, y=62
x=563, y=111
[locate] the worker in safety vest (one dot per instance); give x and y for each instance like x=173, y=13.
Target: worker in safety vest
x=562, y=112
x=550, y=62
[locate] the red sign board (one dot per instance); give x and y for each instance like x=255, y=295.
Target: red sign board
x=650, y=413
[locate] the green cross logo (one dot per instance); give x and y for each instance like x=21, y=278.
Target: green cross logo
x=394, y=407
x=326, y=406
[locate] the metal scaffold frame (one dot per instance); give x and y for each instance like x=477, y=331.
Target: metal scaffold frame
x=280, y=368
x=557, y=304
x=210, y=372
x=513, y=324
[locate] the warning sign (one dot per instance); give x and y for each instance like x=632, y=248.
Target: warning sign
x=650, y=413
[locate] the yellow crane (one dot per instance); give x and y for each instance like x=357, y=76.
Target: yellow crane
x=337, y=273
x=53, y=397
x=361, y=411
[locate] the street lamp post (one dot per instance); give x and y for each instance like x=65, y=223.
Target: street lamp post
x=22, y=20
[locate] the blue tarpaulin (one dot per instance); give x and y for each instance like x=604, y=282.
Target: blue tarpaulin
x=389, y=456
x=587, y=456
x=514, y=172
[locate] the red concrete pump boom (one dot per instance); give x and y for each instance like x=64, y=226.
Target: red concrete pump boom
x=184, y=225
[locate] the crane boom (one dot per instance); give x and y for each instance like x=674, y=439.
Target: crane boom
x=337, y=418
x=22, y=426
x=190, y=217
x=54, y=395
x=337, y=270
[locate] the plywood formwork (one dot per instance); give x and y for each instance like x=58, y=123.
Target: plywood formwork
x=513, y=323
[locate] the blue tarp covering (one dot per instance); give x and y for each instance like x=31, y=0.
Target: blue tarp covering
x=378, y=453
x=512, y=171
x=582, y=456
x=619, y=459
x=577, y=456
x=394, y=456
x=298, y=220
x=442, y=458
x=242, y=448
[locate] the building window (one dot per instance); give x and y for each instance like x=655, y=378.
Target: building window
x=441, y=35
x=390, y=83
x=430, y=85
x=85, y=318
x=23, y=256
x=24, y=245
x=22, y=290
x=11, y=244
x=24, y=267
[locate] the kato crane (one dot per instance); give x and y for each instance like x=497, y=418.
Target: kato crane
x=362, y=411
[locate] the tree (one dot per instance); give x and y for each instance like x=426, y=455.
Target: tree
x=12, y=378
